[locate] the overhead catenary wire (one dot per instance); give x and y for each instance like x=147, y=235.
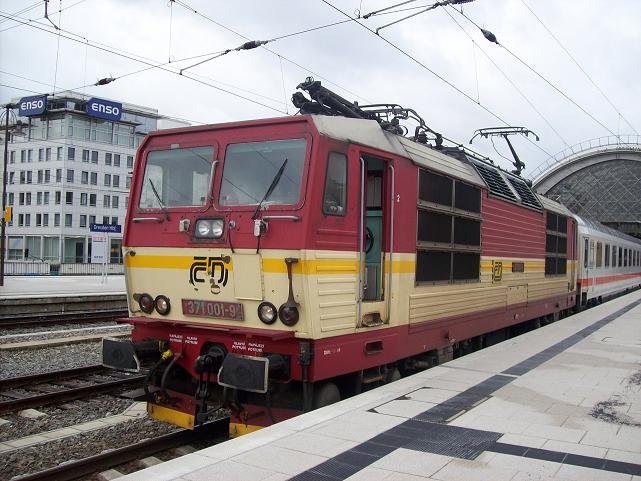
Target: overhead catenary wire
x=579, y=66
x=33, y=20
x=160, y=68
x=520, y=92
x=302, y=67
x=492, y=38
x=422, y=65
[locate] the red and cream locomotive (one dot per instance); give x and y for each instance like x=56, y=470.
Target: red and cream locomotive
x=277, y=265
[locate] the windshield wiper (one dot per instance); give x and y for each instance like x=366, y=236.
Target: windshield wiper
x=271, y=188
x=162, y=206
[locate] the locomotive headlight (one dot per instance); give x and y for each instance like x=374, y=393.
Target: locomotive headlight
x=146, y=303
x=288, y=314
x=162, y=305
x=209, y=228
x=267, y=312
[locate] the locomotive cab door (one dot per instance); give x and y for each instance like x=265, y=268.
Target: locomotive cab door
x=376, y=244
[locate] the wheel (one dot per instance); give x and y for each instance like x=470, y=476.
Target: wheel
x=393, y=375
x=325, y=394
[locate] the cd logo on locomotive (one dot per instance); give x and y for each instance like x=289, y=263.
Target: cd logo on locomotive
x=213, y=267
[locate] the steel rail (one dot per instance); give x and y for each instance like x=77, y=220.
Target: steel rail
x=18, y=381
x=87, y=466
x=22, y=320
x=68, y=394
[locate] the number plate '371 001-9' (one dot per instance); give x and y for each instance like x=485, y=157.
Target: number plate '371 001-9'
x=221, y=310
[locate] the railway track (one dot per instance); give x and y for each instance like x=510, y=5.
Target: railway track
x=45, y=319
x=61, y=386
x=213, y=430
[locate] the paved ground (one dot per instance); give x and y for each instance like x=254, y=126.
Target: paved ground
x=559, y=403
x=60, y=286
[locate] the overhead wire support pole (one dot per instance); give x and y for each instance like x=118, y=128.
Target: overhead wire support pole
x=3, y=221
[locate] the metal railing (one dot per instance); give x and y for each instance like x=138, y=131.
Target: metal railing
x=30, y=268
x=599, y=144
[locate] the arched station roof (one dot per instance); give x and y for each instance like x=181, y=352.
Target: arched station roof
x=598, y=179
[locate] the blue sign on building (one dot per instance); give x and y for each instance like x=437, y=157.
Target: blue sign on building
x=110, y=228
x=34, y=105
x=104, y=109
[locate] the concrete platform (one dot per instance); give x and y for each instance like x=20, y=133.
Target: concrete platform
x=559, y=403
x=18, y=287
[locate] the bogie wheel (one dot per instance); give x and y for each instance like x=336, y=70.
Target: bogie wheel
x=325, y=394
x=393, y=375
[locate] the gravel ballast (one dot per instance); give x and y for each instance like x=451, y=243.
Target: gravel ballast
x=33, y=361
x=44, y=456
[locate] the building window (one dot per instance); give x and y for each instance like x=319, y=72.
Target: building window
x=92, y=200
x=58, y=197
x=83, y=198
x=106, y=201
x=29, y=177
x=38, y=198
x=28, y=198
x=48, y=154
x=108, y=180
x=70, y=176
x=448, y=234
x=84, y=177
x=41, y=177
x=83, y=220
x=11, y=177
x=21, y=198
x=556, y=244
x=45, y=220
x=27, y=220
x=85, y=155
x=130, y=161
x=114, y=221
x=94, y=156
x=92, y=219
x=30, y=155
x=105, y=220
x=94, y=178
x=20, y=220
x=56, y=220
x=12, y=157
x=116, y=160
x=59, y=153
x=58, y=175
x=69, y=198
x=108, y=158
x=38, y=220
x=47, y=176
x=68, y=220
x=115, y=180
x=128, y=182
x=10, y=198
x=23, y=176
x=71, y=153
x=41, y=155
x=114, y=202
x=45, y=200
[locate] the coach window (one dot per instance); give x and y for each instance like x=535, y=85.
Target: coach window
x=448, y=234
x=614, y=256
x=599, y=254
x=620, y=256
x=335, y=197
x=606, y=263
x=556, y=245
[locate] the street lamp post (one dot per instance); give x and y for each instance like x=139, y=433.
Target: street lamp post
x=3, y=222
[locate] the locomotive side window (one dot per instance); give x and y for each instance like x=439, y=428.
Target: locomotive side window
x=250, y=168
x=606, y=263
x=448, y=229
x=556, y=245
x=177, y=178
x=335, y=198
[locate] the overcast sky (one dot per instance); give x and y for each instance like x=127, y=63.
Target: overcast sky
x=603, y=37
